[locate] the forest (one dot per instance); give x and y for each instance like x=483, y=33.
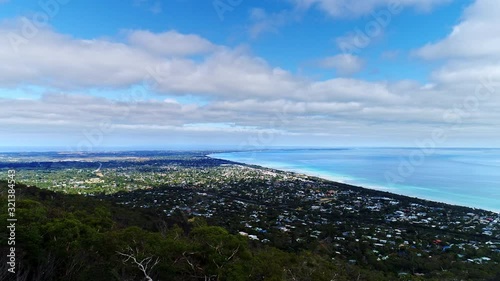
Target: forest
x=71, y=237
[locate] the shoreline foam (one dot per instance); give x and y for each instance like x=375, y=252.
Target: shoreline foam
x=351, y=181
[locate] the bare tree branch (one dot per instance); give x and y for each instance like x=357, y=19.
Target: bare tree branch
x=145, y=265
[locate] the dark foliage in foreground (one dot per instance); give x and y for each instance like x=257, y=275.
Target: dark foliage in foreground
x=67, y=237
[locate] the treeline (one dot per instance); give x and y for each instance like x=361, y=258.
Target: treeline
x=68, y=237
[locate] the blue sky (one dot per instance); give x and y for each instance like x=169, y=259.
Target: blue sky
x=247, y=74
x=308, y=38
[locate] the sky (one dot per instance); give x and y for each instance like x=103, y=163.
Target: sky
x=165, y=74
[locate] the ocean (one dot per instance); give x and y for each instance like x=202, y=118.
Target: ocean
x=460, y=176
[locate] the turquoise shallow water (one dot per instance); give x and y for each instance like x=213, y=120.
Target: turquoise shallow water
x=467, y=177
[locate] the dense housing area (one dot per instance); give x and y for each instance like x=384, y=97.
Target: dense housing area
x=352, y=228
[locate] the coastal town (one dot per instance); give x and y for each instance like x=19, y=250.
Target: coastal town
x=290, y=211
x=293, y=211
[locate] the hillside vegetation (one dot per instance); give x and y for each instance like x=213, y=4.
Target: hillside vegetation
x=71, y=237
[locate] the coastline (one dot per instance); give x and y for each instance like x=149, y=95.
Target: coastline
x=341, y=181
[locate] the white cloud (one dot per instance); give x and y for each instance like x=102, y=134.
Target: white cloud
x=239, y=88
x=258, y=14
x=153, y=6
x=56, y=60
x=171, y=43
x=156, y=8
x=470, y=51
x=474, y=37
x=231, y=74
x=52, y=59
x=390, y=55
x=344, y=64
x=349, y=8
x=264, y=22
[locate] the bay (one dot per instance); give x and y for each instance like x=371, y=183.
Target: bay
x=461, y=176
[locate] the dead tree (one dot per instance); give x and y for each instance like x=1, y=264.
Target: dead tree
x=145, y=265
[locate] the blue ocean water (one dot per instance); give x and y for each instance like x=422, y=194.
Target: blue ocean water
x=467, y=177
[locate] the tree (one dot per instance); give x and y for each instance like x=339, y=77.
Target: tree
x=144, y=264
